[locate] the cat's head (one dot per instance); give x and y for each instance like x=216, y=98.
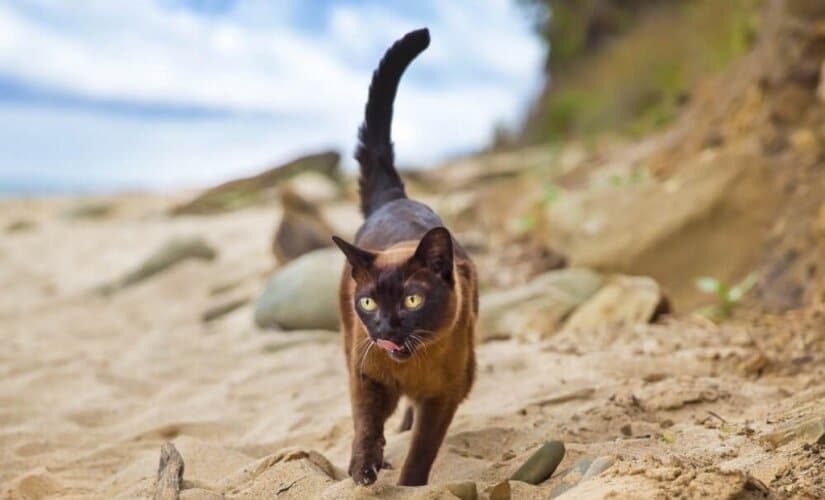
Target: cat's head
x=404, y=298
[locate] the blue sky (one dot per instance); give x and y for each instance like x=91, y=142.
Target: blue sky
x=97, y=95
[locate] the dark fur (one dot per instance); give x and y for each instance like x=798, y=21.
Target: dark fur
x=402, y=249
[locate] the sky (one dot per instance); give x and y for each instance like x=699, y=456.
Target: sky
x=97, y=95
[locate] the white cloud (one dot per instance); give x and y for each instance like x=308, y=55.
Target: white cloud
x=482, y=67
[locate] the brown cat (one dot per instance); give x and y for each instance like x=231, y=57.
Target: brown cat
x=408, y=298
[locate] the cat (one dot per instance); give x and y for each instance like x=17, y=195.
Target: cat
x=408, y=298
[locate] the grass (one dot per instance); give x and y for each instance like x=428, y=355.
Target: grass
x=637, y=83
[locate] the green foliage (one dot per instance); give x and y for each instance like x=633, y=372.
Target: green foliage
x=523, y=224
x=551, y=193
x=728, y=297
x=627, y=66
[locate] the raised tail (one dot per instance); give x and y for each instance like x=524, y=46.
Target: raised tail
x=379, y=182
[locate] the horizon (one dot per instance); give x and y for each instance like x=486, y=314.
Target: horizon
x=176, y=94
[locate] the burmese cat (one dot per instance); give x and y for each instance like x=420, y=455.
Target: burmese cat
x=408, y=298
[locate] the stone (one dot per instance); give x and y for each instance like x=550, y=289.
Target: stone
x=248, y=191
x=171, y=253
x=315, y=187
x=20, y=225
x=222, y=309
x=536, y=309
x=811, y=430
x=624, y=300
x=501, y=491
x=464, y=490
x=599, y=465
x=303, y=295
x=541, y=464
x=302, y=229
x=89, y=210
x=170, y=474
x=571, y=476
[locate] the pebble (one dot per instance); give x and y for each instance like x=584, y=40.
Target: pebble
x=465, y=490
x=541, y=464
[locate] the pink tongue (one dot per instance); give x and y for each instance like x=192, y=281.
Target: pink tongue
x=388, y=345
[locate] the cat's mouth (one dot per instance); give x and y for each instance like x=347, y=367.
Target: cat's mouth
x=396, y=352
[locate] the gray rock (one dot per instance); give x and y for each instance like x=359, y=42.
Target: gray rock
x=541, y=464
x=89, y=210
x=249, y=191
x=222, y=309
x=624, y=300
x=598, y=466
x=536, y=309
x=171, y=253
x=303, y=295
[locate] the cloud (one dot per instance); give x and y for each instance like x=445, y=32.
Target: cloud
x=263, y=80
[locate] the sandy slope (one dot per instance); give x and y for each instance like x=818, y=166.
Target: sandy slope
x=90, y=387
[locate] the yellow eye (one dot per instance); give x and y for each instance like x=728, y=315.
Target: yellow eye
x=367, y=304
x=413, y=301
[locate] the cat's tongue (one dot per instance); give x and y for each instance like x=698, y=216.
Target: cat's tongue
x=388, y=345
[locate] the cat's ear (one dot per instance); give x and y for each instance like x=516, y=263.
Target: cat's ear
x=359, y=259
x=435, y=252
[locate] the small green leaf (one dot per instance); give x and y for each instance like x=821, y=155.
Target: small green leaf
x=743, y=287
x=524, y=224
x=551, y=193
x=708, y=284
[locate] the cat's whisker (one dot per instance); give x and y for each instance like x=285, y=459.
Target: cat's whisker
x=364, y=356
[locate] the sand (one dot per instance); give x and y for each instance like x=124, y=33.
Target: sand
x=91, y=387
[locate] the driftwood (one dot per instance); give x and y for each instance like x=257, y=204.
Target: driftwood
x=170, y=474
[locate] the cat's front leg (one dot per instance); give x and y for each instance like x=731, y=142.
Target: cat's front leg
x=372, y=404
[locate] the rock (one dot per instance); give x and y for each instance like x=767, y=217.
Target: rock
x=89, y=210
x=753, y=364
x=598, y=466
x=20, y=225
x=173, y=252
x=303, y=294
x=290, y=473
x=223, y=309
x=170, y=474
x=520, y=259
x=571, y=476
x=302, y=229
x=465, y=490
x=501, y=491
x=248, y=191
x=624, y=300
x=538, y=307
x=315, y=187
x=541, y=464
x=811, y=430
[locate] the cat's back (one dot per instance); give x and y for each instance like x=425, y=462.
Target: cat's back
x=396, y=221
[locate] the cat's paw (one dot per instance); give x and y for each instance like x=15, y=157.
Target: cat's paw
x=364, y=469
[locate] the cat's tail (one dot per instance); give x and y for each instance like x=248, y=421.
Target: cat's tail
x=379, y=182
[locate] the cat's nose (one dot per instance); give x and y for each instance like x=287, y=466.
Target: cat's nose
x=384, y=329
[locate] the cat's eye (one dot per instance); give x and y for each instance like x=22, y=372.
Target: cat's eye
x=367, y=304
x=413, y=301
